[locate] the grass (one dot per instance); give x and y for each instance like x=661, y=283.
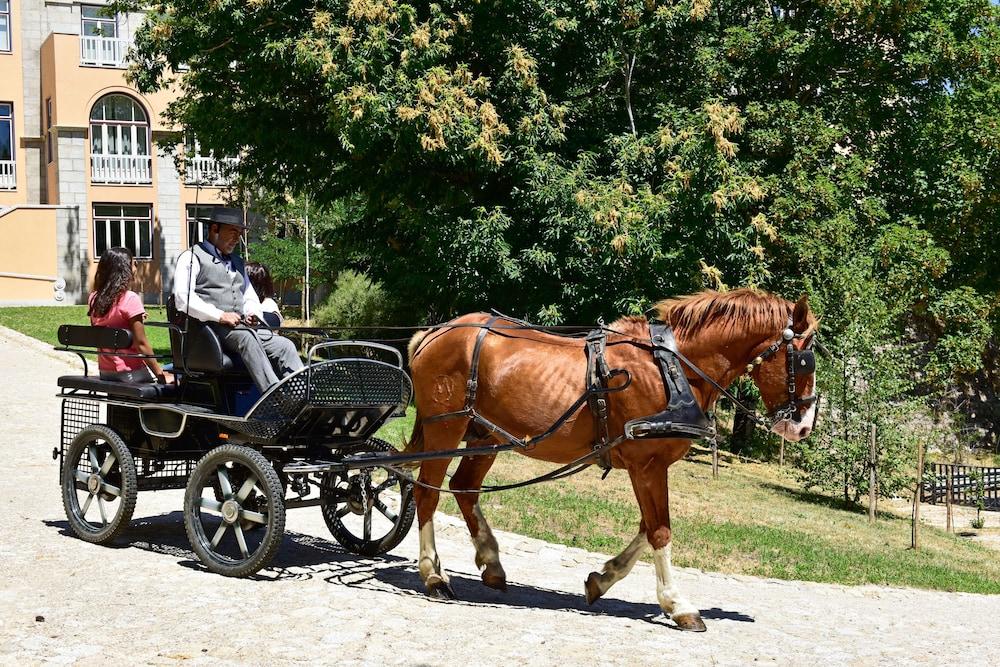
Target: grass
x=753, y=520
x=42, y=322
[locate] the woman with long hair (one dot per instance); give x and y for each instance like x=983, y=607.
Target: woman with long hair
x=113, y=304
x=260, y=279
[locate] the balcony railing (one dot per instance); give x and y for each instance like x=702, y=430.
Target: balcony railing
x=8, y=175
x=209, y=170
x=120, y=169
x=103, y=51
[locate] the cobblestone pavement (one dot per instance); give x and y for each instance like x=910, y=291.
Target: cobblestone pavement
x=147, y=600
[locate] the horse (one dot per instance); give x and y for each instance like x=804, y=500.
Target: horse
x=527, y=379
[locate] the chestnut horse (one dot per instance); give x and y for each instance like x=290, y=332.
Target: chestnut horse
x=528, y=378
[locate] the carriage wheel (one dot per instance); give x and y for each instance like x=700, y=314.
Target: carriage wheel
x=368, y=511
x=252, y=495
x=99, y=485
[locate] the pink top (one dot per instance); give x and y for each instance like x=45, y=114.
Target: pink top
x=119, y=316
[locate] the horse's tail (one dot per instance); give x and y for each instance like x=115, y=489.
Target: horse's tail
x=416, y=442
x=415, y=342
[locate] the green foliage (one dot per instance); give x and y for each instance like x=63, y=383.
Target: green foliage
x=561, y=160
x=356, y=301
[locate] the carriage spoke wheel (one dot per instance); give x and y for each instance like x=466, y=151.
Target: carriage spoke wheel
x=234, y=511
x=99, y=484
x=368, y=511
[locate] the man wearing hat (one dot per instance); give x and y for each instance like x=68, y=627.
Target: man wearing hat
x=211, y=285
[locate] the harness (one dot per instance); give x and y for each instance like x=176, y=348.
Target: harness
x=683, y=418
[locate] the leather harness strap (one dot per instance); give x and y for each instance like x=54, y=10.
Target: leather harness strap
x=597, y=380
x=472, y=386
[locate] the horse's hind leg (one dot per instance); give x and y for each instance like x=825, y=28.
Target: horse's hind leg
x=470, y=475
x=437, y=436
x=598, y=583
x=650, y=485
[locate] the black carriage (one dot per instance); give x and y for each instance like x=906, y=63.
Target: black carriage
x=243, y=458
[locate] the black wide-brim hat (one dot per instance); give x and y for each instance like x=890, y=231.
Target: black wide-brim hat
x=235, y=217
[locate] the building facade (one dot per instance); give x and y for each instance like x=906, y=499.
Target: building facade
x=84, y=161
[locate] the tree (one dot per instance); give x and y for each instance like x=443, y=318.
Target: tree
x=562, y=160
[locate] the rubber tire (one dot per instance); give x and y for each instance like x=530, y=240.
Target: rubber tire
x=390, y=540
x=129, y=484
x=268, y=478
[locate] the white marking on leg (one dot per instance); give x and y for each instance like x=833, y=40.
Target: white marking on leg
x=430, y=564
x=618, y=567
x=671, y=600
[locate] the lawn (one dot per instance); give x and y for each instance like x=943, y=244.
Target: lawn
x=42, y=322
x=755, y=519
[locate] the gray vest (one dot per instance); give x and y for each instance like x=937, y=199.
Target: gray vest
x=216, y=285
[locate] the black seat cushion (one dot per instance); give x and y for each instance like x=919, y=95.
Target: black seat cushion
x=146, y=391
x=196, y=347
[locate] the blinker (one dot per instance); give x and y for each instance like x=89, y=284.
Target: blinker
x=805, y=361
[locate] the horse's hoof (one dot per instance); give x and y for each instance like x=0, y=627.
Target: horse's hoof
x=593, y=587
x=495, y=580
x=690, y=622
x=440, y=590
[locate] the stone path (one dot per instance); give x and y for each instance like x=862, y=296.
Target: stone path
x=147, y=600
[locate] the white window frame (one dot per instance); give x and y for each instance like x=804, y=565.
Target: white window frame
x=196, y=230
x=101, y=22
x=121, y=128
x=6, y=32
x=10, y=120
x=112, y=222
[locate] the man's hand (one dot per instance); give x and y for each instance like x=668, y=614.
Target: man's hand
x=230, y=319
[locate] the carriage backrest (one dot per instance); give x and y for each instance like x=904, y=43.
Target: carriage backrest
x=73, y=335
x=194, y=346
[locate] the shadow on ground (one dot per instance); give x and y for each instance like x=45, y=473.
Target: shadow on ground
x=305, y=557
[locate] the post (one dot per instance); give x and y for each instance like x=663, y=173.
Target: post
x=949, y=526
x=715, y=457
x=781, y=452
x=871, y=477
x=305, y=298
x=915, y=529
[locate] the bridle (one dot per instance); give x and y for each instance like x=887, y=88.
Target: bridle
x=797, y=362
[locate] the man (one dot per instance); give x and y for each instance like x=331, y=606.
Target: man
x=211, y=285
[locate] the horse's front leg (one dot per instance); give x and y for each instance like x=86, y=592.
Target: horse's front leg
x=470, y=475
x=650, y=485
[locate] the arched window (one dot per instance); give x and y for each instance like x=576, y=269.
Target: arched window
x=119, y=141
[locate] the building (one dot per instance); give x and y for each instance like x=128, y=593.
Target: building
x=82, y=160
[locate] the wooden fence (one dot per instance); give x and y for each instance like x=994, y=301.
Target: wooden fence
x=963, y=485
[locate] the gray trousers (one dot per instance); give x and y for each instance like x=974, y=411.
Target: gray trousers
x=267, y=356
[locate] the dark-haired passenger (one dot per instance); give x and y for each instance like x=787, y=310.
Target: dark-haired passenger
x=113, y=304
x=263, y=285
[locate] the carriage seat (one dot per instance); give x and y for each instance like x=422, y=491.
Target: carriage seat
x=145, y=392
x=83, y=339
x=199, y=349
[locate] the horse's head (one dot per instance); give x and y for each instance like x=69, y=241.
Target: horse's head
x=784, y=370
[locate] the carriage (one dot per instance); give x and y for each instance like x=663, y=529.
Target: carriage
x=309, y=440
x=242, y=458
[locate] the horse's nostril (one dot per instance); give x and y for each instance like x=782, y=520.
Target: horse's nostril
x=805, y=432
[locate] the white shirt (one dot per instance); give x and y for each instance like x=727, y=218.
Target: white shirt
x=269, y=306
x=188, y=265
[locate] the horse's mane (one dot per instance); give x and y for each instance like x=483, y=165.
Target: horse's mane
x=745, y=308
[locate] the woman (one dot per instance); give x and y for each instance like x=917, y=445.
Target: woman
x=113, y=304
x=260, y=279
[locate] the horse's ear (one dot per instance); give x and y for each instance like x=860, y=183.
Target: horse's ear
x=800, y=315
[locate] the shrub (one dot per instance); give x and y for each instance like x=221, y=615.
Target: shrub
x=978, y=522
x=355, y=301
